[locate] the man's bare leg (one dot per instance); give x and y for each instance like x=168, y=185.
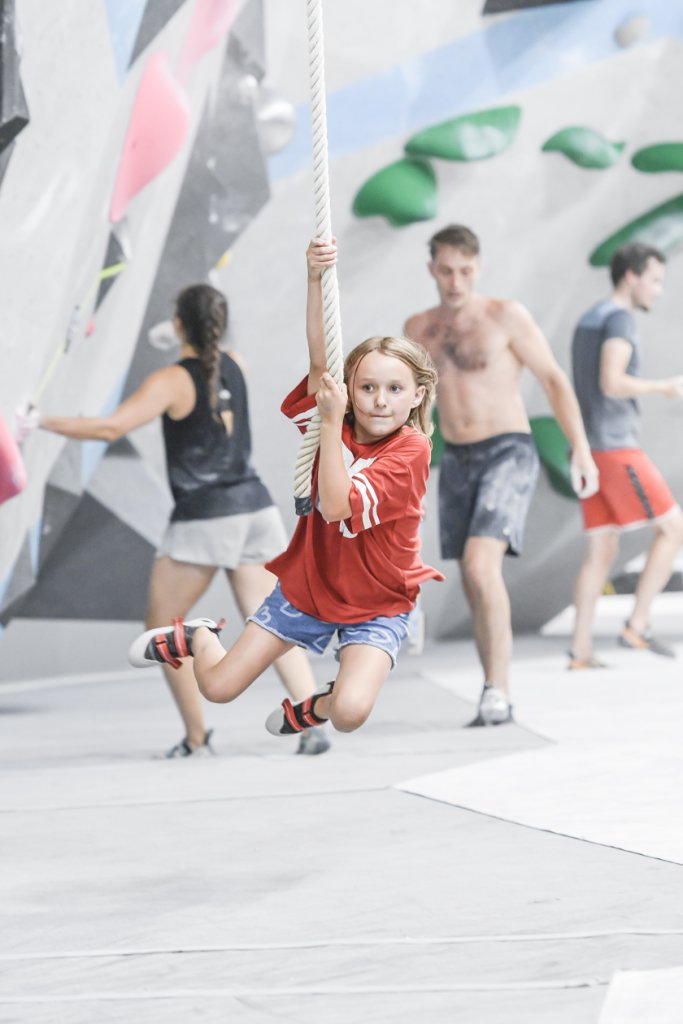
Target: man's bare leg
x=658, y=567
x=601, y=550
x=481, y=567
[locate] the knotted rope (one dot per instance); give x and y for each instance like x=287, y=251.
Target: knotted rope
x=323, y=229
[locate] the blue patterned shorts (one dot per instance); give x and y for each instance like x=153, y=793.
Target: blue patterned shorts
x=280, y=617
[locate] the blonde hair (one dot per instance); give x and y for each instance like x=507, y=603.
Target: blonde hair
x=416, y=358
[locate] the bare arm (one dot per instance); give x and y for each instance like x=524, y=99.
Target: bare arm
x=164, y=391
x=319, y=256
x=534, y=352
x=334, y=485
x=615, y=382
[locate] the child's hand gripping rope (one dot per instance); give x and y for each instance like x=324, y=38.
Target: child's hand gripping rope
x=332, y=400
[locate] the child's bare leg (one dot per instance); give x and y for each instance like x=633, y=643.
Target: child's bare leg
x=251, y=585
x=362, y=672
x=296, y=674
x=222, y=675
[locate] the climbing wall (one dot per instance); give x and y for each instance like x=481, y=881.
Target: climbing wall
x=133, y=139
x=553, y=131
x=143, y=146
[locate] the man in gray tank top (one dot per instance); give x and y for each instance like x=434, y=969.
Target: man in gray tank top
x=606, y=366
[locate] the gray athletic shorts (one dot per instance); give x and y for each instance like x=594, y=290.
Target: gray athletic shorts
x=484, y=491
x=249, y=538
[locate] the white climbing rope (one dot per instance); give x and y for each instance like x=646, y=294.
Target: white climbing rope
x=323, y=229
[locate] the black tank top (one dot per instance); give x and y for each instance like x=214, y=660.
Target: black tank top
x=209, y=470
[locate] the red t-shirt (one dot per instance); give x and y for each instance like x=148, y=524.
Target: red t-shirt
x=369, y=564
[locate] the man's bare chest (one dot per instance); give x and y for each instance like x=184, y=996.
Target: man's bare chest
x=469, y=349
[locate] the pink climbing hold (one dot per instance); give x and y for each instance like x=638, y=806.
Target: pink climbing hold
x=211, y=19
x=157, y=129
x=12, y=472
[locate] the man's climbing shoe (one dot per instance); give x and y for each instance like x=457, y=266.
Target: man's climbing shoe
x=635, y=641
x=168, y=644
x=580, y=664
x=494, y=708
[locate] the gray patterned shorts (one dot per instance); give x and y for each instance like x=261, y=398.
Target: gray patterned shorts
x=484, y=491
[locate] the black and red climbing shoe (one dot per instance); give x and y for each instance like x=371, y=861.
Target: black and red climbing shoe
x=168, y=644
x=289, y=718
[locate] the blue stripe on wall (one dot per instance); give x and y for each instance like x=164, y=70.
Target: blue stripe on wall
x=124, y=17
x=471, y=72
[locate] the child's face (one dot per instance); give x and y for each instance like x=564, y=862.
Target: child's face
x=383, y=393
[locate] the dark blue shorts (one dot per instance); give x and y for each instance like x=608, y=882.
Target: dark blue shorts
x=283, y=619
x=484, y=491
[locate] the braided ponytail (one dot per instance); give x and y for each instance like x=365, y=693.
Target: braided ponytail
x=203, y=313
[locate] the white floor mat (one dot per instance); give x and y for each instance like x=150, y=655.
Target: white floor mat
x=615, y=773
x=644, y=997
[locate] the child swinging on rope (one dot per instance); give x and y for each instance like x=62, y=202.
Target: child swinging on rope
x=353, y=566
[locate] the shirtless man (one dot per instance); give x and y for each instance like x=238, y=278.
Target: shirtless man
x=489, y=467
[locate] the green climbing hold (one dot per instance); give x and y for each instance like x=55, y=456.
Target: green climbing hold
x=585, y=147
x=437, y=440
x=661, y=227
x=553, y=451
x=666, y=156
x=470, y=137
x=403, y=192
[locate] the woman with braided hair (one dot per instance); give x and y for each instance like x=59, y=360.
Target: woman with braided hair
x=223, y=515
